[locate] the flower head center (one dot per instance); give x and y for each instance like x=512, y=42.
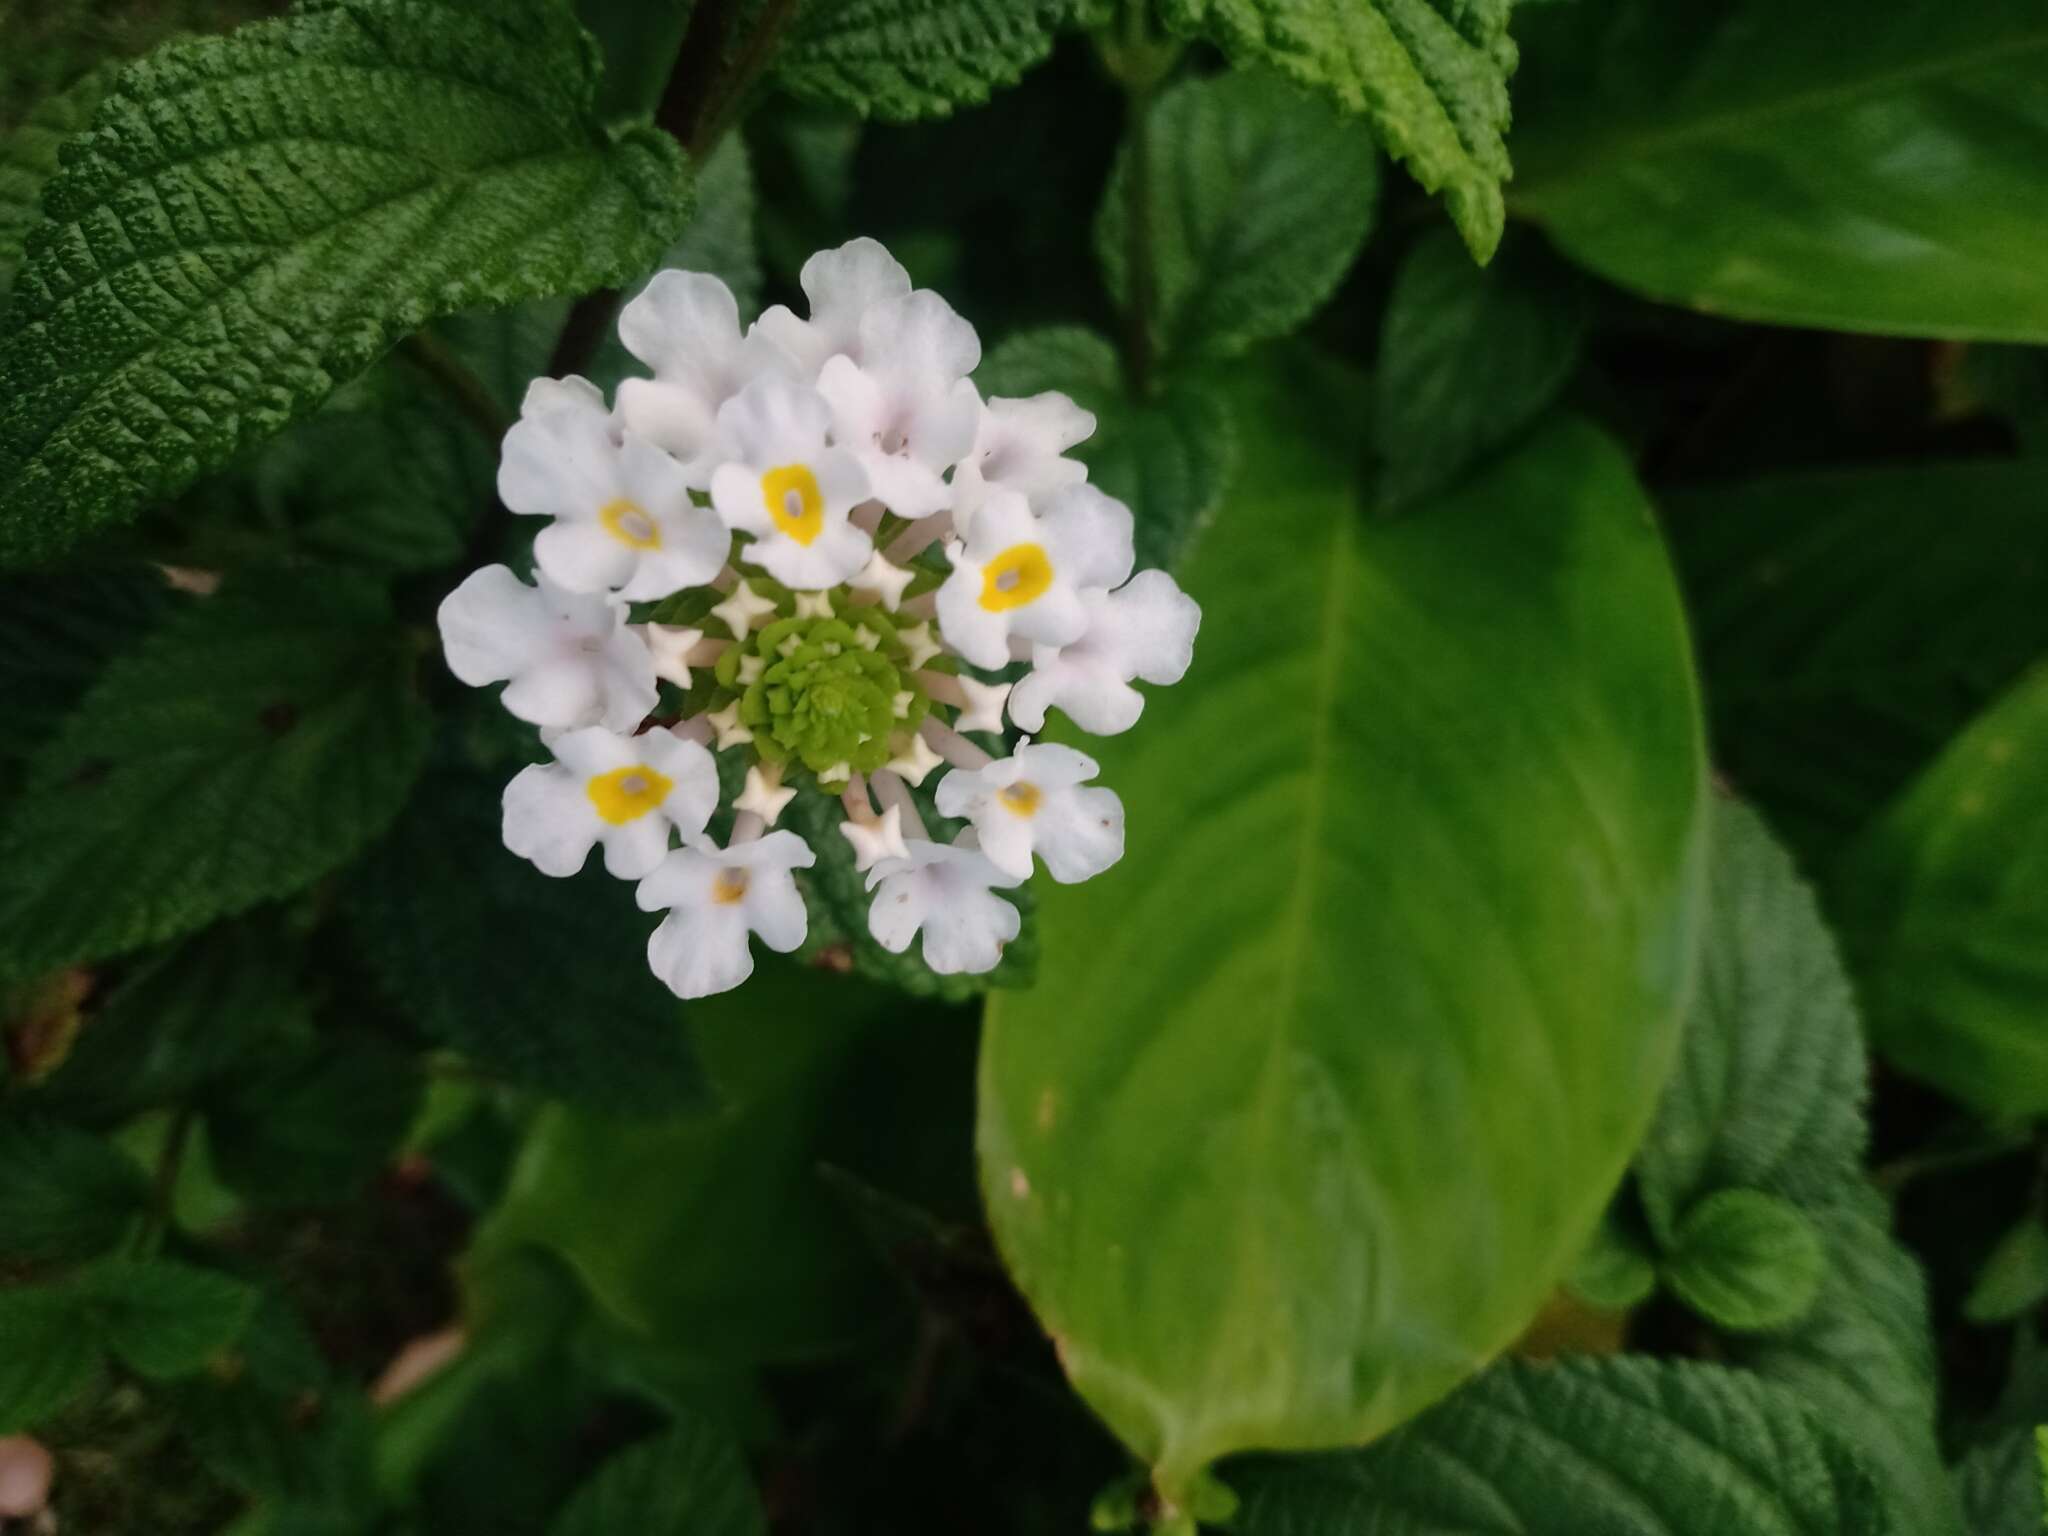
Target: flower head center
x=1019, y=575
x=1022, y=798
x=626, y=794
x=628, y=522
x=730, y=888
x=795, y=504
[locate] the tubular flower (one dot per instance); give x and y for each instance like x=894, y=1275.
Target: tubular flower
x=805, y=545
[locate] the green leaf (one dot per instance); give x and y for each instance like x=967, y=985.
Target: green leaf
x=905, y=59
x=2014, y=1279
x=1332, y=976
x=28, y=159
x=242, y=751
x=1851, y=621
x=1771, y=1079
x=47, y=1353
x=1256, y=198
x=1170, y=457
x=164, y=1319
x=543, y=982
x=1944, y=905
x=1623, y=1445
x=1612, y=1273
x=687, y=1481
x=308, y=1122
x=1469, y=357
x=1745, y=1260
x=718, y=1238
x=1863, y=1359
x=254, y=218
x=1431, y=76
x=2000, y=1483
x=177, y=1021
x=66, y=1194
x=1832, y=164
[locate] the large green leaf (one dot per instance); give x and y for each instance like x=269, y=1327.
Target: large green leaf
x=2003, y=1486
x=1834, y=164
x=28, y=158
x=251, y=219
x=1851, y=621
x=1945, y=906
x=1253, y=198
x=1169, y=457
x=1407, y=906
x=1430, y=75
x=1620, y=1447
x=243, y=750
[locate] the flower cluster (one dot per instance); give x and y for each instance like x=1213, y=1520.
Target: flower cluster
x=826, y=541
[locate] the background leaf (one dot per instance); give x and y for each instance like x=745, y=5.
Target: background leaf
x=903, y=59
x=1264, y=1045
x=28, y=158
x=1644, y=1447
x=47, y=1354
x=1469, y=357
x=67, y=1194
x=1827, y=164
x=236, y=755
x=1256, y=199
x=358, y=168
x=311, y=1121
x=161, y=1318
x=686, y=1481
x=1430, y=75
x=1945, y=905
x=1745, y=1260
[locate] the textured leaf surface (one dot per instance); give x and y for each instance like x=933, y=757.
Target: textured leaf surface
x=1333, y=975
x=46, y=1354
x=67, y=1194
x=1469, y=357
x=1769, y=1090
x=1945, y=906
x=2014, y=1279
x=1630, y=1447
x=686, y=1481
x=1430, y=75
x=1255, y=200
x=1831, y=164
x=541, y=981
x=1745, y=1260
x=1851, y=622
x=243, y=750
x=1170, y=458
x=164, y=1319
x=252, y=219
x=2001, y=1484
x=903, y=59
x=28, y=158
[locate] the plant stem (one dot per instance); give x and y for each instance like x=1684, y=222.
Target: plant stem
x=437, y=360
x=164, y=1187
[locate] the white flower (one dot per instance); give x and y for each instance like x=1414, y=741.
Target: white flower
x=686, y=327
x=842, y=285
x=1038, y=802
x=568, y=394
x=625, y=792
x=787, y=489
x=949, y=892
x=907, y=409
x=623, y=518
x=714, y=898
x=1145, y=629
x=570, y=658
x=1021, y=446
x=1019, y=574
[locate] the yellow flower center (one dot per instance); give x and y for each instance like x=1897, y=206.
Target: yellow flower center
x=1021, y=798
x=1019, y=575
x=625, y=794
x=628, y=522
x=730, y=887
x=793, y=501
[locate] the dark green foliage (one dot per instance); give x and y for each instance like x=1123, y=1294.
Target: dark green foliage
x=902, y=59
x=67, y=1194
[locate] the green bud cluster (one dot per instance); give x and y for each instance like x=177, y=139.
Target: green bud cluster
x=831, y=690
